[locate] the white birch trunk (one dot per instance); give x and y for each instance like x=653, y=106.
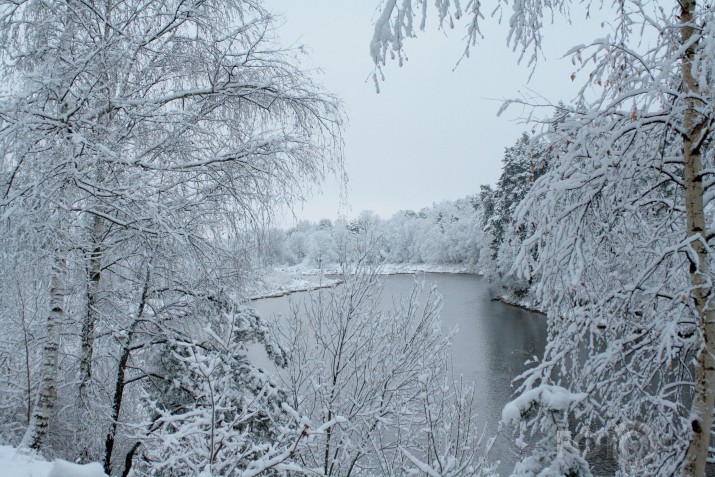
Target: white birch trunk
x=37, y=431
x=701, y=415
x=36, y=434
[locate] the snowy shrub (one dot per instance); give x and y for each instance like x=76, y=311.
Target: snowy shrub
x=543, y=413
x=386, y=373
x=212, y=410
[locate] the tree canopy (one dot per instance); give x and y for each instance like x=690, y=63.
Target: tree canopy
x=620, y=228
x=138, y=142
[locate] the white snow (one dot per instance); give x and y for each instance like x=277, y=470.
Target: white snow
x=284, y=281
x=62, y=468
x=281, y=281
x=551, y=397
x=16, y=463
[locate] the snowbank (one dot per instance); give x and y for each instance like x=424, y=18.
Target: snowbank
x=383, y=269
x=15, y=463
x=554, y=398
x=396, y=268
x=62, y=468
x=282, y=281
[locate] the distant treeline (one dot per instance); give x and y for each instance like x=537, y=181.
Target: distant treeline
x=476, y=231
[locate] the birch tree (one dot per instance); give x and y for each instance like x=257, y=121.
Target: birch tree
x=622, y=225
x=130, y=128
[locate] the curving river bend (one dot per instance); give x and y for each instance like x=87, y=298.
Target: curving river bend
x=492, y=342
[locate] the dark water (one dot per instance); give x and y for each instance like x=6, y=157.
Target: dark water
x=490, y=346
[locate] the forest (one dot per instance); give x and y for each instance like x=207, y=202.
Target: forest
x=146, y=148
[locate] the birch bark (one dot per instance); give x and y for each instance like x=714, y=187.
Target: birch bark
x=37, y=431
x=694, y=124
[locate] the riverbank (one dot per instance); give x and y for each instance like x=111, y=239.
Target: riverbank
x=281, y=281
x=382, y=269
x=525, y=304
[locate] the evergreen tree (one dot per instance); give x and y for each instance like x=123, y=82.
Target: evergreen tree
x=522, y=164
x=213, y=411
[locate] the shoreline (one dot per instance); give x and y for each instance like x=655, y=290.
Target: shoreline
x=384, y=269
x=517, y=304
x=290, y=291
x=297, y=282
x=283, y=281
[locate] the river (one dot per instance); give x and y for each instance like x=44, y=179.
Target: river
x=490, y=346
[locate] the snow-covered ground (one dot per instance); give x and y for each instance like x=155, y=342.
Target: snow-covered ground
x=14, y=463
x=281, y=281
x=391, y=268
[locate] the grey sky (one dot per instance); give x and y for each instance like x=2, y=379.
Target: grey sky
x=432, y=133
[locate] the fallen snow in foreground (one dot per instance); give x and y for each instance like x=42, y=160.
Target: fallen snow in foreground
x=14, y=463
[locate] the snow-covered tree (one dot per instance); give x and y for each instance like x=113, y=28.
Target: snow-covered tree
x=363, y=238
x=449, y=232
x=213, y=412
x=297, y=241
x=543, y=413
x=135, y=132
x=621, y=226
x=322, y=249
x=521, y=165
x=402, y=234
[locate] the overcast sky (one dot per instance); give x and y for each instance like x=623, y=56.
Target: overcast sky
x=433, y=132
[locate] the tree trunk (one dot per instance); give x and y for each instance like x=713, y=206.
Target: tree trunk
x=120, y=381
x=38, y=428
x=129, y=459
x=85, y=415
x=90, y=321
x=701, y=414
x=94, y=266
